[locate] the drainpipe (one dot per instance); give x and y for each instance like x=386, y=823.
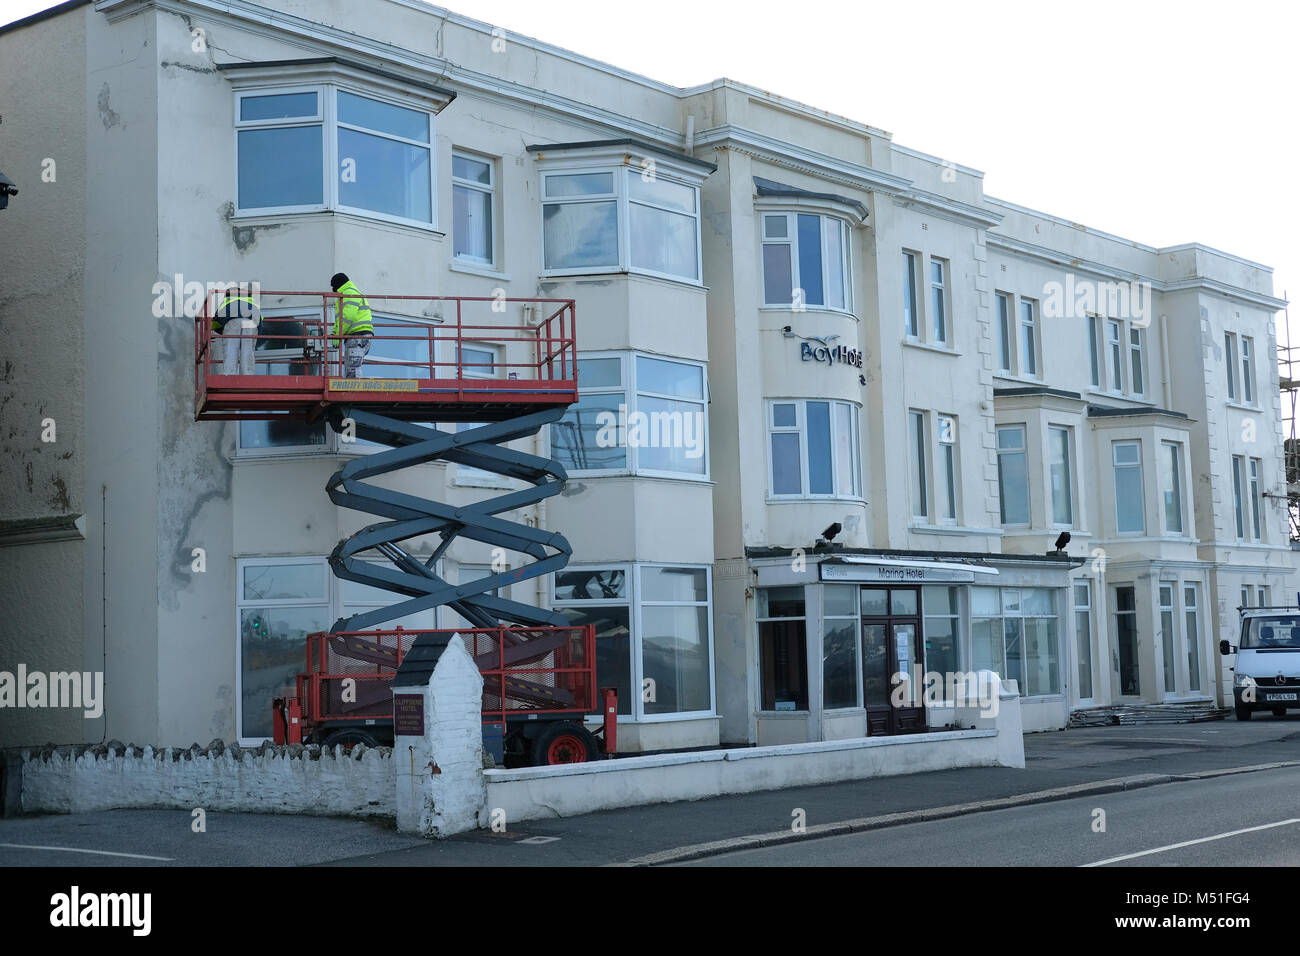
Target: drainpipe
x=690, y=135
x=1165, y=384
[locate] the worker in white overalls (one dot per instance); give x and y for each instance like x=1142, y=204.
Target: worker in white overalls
x=237, y=314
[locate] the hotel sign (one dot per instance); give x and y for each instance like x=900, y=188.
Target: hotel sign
x=821, y=351
x=897, y=573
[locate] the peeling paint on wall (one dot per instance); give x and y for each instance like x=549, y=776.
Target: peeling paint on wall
x=106, y=114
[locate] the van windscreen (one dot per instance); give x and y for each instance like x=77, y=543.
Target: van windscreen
x=1262, y=633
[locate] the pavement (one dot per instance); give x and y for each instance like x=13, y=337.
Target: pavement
x=1062, y=766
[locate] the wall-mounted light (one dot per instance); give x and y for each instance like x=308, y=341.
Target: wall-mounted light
x=862, y=380
x=788, y=332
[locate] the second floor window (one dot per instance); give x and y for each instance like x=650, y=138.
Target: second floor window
x=1230, y=360
x=1247, y=371
x=1060, y=474
x=620, y=220
x=1004, y=332
x=814, y=450
x=939, y=301
x=472, y=191
x=806, y=261
x=1028, y=337
x=1127, y=459
x=911, y=319
x=383, y=150
x=1013, y=475
x=1136, y=377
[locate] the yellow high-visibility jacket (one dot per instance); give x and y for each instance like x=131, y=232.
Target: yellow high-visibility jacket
x=351, y=311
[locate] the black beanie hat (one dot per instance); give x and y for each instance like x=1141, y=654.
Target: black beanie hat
x=337, y=281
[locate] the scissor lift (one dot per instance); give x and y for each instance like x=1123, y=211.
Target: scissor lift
x=522, y=376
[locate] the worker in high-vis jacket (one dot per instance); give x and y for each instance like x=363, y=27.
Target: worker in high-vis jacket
x=352, y=323
x=237, y=315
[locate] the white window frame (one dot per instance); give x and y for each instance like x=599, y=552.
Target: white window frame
x=633, y=600
x=1071, y=497
x=1097, y=358
x=1137, y=360
x=619, y=196
x=327, y=119
x=1116, y=465
x=631, y=394
x=1028, y=339
x=1006, y=334
x=1248, y=371
x=332, y=601
x=791, y=239
x=1115, y=356
x=490, y=190
x=1023, y=428
x=800, y=428
x=1082, y=639
x=1175, y=470
x=918, y=456
x=1253, y=466
x=910, y=283
x=1230, y=356
x=1191, y=612
x=1239, y=496
x=948, y=467
x=941, y=288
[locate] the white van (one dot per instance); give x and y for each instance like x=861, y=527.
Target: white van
x=1266, y=675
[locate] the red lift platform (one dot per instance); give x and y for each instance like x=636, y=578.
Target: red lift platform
x=509, y=366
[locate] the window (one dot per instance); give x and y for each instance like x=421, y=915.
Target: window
x=942, y=617
x=1058, y=440
x=919, y=441
x=1171, y=486
x=1136, y=378
x=1262, y=592
x=1167, y=637
x=1094, y=351
x=477, y=361
x=636, y=413
x=1013, y=475
x=476, y=477
x=472, y=201
x=383, y=150
x=609, y=220
x=664, y=648
x=814, y=449
x=939, y=300
x=1126, y=641
x=1083, y=635
x=1004, y=333
x=1014, y=633
x=1254, y=498
x=782, y=649
x=806, y=261
x=1239, y=493
x=1245, y=595
x=1116, y=359
x=676, y=657
x=1127, y=459
x=279, y=602
x=840, y=646
x=1247, y=371
x=948, y=467
x=911, y=321
x=1028, y=337
x=1230, y=359
x=600, y=596
x=1191, y=613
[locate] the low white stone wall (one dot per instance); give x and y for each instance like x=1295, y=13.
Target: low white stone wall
x=293, y=779
x=995, y=740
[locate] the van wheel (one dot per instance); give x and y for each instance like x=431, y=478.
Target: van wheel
x=1279, y=711
x=1243, y=713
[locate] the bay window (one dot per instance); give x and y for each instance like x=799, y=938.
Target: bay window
x=619, y=219
x=1171, y=486
x=1061, y=476
x=382, y=151
x=1013, y=475
x=806, y=261
x=813, y=449
x=1127, y=460
x=1014, y=633
x=636, y=413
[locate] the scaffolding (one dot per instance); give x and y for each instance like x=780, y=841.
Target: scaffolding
x=1288, y=360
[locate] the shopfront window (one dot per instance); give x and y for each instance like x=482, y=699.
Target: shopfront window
x=942, y=619
x=782, y=649
x=840, y=646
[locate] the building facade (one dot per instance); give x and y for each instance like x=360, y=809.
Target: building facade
x=791, y=328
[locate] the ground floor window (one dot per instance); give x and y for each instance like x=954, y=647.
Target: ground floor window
x=942, y=627
x=783, y=649
x=1083, y=635
x=1014, y=633
x=279, y=602
x=1126, y=641
x=653, y=633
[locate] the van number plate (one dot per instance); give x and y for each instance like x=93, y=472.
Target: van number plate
x=1273, y=697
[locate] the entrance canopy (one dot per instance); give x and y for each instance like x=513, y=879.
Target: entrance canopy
x=853, y=567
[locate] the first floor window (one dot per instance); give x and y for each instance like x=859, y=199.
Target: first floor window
x=1004, y=333
x=1239, y=494
x=1014, y=633
x=911, y=320
x=813, y=445
x=1254, y=498
x=805, y=257
x=782, y=649
x=637, y=413
x=1127, y=458
x=947, y=466
x=1060, y=472
x=1167, y=635
x=1013, y=475
x=1028, y=337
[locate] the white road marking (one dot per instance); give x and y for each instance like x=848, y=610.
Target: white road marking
x=73, y=849
x=1208, y=839
x=537, y=840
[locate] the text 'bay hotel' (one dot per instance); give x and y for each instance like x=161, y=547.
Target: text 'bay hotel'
x=842, y=330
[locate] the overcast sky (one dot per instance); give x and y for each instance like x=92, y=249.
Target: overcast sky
x=1162, y=122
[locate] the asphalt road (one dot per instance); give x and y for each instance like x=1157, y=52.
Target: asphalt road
x=1195, y=823
x=1053, y=760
